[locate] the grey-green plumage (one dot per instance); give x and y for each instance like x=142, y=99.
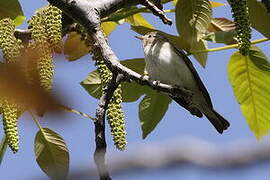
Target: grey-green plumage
x=169, y=65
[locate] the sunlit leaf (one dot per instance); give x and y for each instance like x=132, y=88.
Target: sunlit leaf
x=74, y=47
x=13, y=10
x=221, y=24
x=250, y=79
x=216, y=4
x=151, y=110
x=213, y=3
x=108, y=27
x=192, y=20
x=138, y=20
x=51, y=154
x=259, y=17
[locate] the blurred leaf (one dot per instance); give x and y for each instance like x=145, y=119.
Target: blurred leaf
x=3, y=148
x=176, y=40
x=130, y=91
x=74, y=47
x=259, y=17
x=108, y=27
x=151, y=110
x=13, y=10
x=221, y=37
x=192, y=20
x=216, y=4
x=51, y=154
x=138, y=20
x=221, y=24
x=250, y=79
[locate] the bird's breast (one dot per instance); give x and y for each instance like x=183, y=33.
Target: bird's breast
x=164, y=64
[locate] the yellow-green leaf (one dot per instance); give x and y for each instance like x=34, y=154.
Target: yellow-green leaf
x=51, y=154
x=151, y=110
x=13, y=10
x=213, y=3
x=192, y=20
x=216, y=4
x=138, y=20
x=250, y=79
x=74, y=47
x=108, y=27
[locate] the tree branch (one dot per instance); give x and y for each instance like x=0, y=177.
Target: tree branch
x=156, y=11
x=100, y=138
x=88, y=14
x=184, y=152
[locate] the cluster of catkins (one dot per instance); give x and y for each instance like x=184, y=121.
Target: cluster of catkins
x=46, y=34
x=115, y=114
x=242, y=23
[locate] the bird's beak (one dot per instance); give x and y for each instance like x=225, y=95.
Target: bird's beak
x=139, y=37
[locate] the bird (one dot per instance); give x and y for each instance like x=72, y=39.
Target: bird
x=166, y=64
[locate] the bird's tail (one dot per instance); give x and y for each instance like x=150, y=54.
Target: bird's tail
x=217, y=120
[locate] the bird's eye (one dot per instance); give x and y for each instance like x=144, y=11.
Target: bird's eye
x=150, y=36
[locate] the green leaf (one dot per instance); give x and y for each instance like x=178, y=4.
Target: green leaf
x=13, y=10
x=221, y=37
x=250, y=79
x=3, y=148
x=259, y=17
x=130, y=91
x=151, y=110
x=192, y=20
x=74, y=47
x=51, y=154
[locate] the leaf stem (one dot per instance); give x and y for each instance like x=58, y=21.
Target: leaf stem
x=227, y=47
x=3, y=147
x=35, y=120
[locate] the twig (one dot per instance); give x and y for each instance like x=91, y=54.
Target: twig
x=156, y=11
x=100, y=139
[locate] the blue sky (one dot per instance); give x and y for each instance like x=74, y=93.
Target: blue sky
x=78, y=132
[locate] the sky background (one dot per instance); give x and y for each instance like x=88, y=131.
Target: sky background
x=78, y=132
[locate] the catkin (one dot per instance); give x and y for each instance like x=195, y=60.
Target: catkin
x=42, y=46
x=115, y=114
x=11, y=48
x=241, y=17
x=53, y=24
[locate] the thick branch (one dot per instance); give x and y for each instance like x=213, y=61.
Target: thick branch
x=184, y=152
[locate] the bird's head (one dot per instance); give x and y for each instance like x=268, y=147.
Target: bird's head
x=151, y=38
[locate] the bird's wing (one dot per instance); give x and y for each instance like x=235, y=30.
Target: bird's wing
x=195, y=74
